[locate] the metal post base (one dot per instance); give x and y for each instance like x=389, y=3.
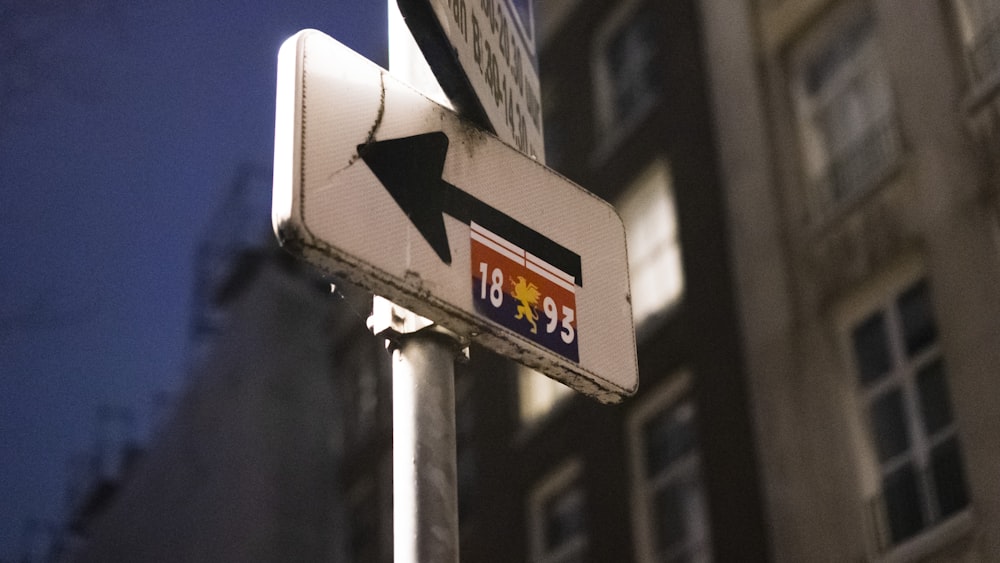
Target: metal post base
x=425, y=493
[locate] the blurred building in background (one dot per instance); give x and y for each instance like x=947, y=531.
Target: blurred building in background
x=857, y=143
x=811, y=198
x=244, y=467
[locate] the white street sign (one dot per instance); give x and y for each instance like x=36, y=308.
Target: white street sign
x=482, y=52
x=380, y=185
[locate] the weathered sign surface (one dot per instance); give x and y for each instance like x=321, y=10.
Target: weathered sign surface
x=380, y=185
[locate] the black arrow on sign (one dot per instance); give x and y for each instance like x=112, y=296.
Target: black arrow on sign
x=410, y=170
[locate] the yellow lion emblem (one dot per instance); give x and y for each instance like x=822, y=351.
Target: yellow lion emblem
x=527, y=293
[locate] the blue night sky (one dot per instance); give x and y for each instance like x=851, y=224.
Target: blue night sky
x=126, y=125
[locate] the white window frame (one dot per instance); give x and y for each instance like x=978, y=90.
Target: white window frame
x=670, y=394
x=568, y=474
x=881, y=294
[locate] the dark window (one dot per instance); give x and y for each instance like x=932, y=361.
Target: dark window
x=935, y=403
x=914, y=434
x=919, y=328
x=564, y=517
x=678, y=508
x=558, y=517
x=631, y=58
x=630, y=73
x=889, y=421
x=902, y=502
x=669, y=436
x=871, y=349
x=949, y=477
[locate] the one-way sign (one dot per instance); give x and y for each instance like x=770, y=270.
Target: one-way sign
x=410, y=170
x=375, y=183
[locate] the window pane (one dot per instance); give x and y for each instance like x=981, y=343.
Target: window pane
x=563, y=517
x=654, y=254
x=670, y=522
x=871, y=348
x=949, y=478
x=682, y=520
x=631, y=61
x=656, y=283
x=935, y=403
x=824, y=67
x=846, y=114
x=668, y=436
x=538, y=394
x=889, y=425
x=919, y=328
x=902, y=503
x=865, y=159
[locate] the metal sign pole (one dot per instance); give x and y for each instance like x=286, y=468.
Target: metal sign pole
x=425, y=492
x=424, y=473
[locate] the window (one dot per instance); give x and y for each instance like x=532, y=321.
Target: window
x=557, y=515
x=654, y=253
x=849, y=136
x=906, y=406
x=670, y=507
x=627, y=77
x=538, y=394
x=979, y=27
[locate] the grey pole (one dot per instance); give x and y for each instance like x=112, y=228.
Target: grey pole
x=425, y=497
x=425, y=491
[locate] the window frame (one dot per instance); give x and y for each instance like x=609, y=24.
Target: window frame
x=882, y=295
x=669, y=249
x=671, y=394
x=565, y=476
x=610, y=125
x=836, y=176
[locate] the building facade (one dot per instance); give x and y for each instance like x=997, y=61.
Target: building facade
x=857, y=144
x=244, y=467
